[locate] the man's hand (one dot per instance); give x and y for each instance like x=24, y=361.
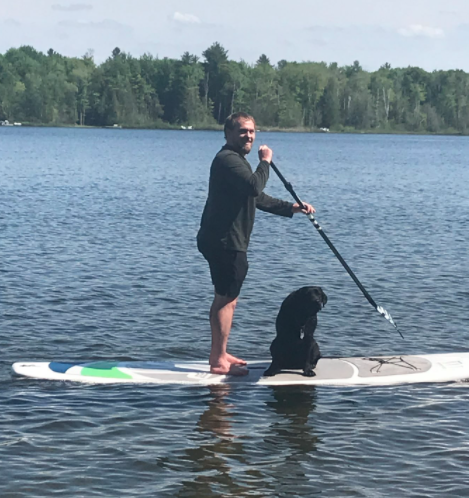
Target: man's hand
x=308, y=208
x=265, y=154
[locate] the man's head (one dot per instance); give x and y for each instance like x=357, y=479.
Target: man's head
x=240, y=132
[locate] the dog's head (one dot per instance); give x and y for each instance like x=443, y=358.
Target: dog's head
x=301, y=305
x=309, y=300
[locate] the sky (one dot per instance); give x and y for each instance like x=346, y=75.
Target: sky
x=431, y=34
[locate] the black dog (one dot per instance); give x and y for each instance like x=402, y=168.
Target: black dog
x=297, y=316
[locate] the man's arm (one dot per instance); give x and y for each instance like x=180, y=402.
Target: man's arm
x=283, y=208
x=242, y=179
x=272, y=205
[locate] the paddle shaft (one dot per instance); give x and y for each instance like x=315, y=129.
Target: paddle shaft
x=326, y=239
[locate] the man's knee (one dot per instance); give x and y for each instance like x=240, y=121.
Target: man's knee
x=220, y=302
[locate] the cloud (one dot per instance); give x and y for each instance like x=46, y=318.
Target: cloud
x=326, y=29
x=421, y=31
x=318, y=42
x=185, y=18
x=451, y=13
x=12, y=23
x=106, y=24
x=74, y=7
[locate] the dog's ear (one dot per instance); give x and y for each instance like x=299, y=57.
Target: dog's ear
x=320, y=296
x=323, y=298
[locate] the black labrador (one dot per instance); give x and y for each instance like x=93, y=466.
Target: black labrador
x=294, y=347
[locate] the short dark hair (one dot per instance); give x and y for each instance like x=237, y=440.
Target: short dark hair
x=231, y=120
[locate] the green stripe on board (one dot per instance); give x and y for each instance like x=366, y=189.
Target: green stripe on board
x=104, y=369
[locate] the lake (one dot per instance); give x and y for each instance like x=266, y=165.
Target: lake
x=98, y=260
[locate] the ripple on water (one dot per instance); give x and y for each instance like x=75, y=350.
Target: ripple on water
x=98, y=261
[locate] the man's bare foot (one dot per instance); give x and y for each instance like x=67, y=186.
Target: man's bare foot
x=223, y=368
x=226, y=358
x=235, y=361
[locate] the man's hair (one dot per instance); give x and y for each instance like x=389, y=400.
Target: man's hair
x=231, y=120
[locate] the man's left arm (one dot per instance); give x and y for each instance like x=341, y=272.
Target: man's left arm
x=272, y=205
x=269, y=204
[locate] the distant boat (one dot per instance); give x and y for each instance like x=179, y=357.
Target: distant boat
x=17, y=124
x=324, y=130
x=114, y=127
x=6, y=123
x=186, y=127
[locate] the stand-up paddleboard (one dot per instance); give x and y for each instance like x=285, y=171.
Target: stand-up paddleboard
x=367, y=371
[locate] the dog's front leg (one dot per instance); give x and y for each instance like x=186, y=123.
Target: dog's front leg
x=311, y=347
x=312, y=360
x=274, y=369
x=308, y=369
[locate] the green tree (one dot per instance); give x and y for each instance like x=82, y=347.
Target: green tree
x=329, y=104
x=188, y=78
x=216, y=76
x=381, y=87
x=264, y=91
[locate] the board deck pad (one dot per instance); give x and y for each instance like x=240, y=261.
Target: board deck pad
x=386, y=370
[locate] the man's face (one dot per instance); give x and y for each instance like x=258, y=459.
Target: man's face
x=243, y=135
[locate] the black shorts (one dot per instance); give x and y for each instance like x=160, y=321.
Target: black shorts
x=228, y=270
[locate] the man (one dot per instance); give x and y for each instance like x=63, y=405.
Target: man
x=227, y=220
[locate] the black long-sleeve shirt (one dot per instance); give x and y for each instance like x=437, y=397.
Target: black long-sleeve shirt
x=234, y=194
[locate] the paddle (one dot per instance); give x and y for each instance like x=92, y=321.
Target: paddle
x=379, y=309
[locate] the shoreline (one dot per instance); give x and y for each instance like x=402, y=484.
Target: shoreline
x=267, y=129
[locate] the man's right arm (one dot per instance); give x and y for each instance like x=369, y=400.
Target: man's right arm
x=242, y=179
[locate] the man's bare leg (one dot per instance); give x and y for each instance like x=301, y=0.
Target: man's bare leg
x=221, y=318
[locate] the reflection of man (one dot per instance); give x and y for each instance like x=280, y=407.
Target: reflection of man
x=218, y=416
x=213, y=460
x=227, y=220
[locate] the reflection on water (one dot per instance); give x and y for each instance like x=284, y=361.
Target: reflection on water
x=214, y=462
x=224, y=466
x=294, y=405
x=293, y=439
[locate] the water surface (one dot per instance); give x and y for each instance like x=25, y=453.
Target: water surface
x=98, y=261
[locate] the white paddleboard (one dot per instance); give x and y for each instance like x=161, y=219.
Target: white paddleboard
x=366, y=371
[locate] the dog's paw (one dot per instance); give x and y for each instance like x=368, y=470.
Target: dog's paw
x=271, y=371
x=309, y=373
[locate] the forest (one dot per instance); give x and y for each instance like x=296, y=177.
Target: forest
x=39, y=88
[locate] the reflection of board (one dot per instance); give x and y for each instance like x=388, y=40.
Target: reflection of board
x=377, y=371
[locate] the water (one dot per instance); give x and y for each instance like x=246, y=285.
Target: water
x=98, y=261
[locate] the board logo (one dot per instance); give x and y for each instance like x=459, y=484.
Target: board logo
x=451, y=364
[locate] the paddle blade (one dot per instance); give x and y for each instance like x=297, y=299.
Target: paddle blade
x=388, y=317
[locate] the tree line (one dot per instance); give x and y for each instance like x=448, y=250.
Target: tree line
x=148, y=91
